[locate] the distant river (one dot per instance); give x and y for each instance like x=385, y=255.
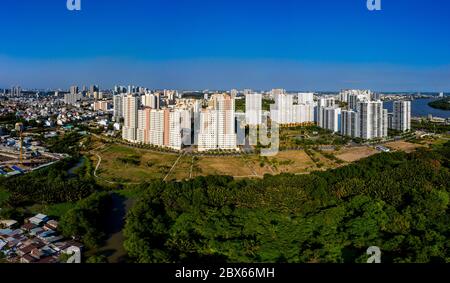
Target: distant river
x=420, y=108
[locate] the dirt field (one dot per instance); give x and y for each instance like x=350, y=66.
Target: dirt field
x=292, y=162
x=233, y=166
x=259, y=168
x=355, y=153
x=131, y=165
x=402, y=146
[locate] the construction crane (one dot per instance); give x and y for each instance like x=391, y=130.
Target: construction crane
x=19, y=128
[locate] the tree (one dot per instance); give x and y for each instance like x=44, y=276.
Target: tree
x=397, y=201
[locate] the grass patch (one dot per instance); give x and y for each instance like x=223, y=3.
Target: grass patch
x=131, y=159
x=131, y=165
x=232, y=166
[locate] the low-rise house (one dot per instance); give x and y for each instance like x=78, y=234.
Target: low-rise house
x=5, y=233
x=36, y=253
x=36, y=231
x=27, y=259
x=39, y=219
x=60, y=246
x=53, y=239
x=35, y=242
x=46, y=234
x=48, y=251
x=12, y=242
x=28, y=227
x=28, y=249
x=51, y=225
x=2, y=244
x=16, y=232
x=8, y=224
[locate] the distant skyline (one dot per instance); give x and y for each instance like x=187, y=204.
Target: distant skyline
x=306, y=45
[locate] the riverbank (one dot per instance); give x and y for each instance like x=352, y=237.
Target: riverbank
x=441, y=104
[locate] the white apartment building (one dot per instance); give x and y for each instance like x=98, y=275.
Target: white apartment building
x=402, y=116
x=385, y=123
x=323, y=102
x=157, y=124
x=303, y=113
x=247, y=91
x=329, y=118
x=253, y=109
x=143, y=131
x=163, y=128
x=277, y=91
x=282, y=112
x=357, y=96
x=130, y=111
x=208, y=131
x=349, y=123
x=326, y=101
x=226, y=121
x=186, y=126
x=368, y=121
x=372, y=120
x=175, y=130
x=151, y=100
x=305, y=98
x=217, y=124
x=344, y=95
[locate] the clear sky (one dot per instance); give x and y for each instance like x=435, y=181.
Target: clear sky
x=224, y=44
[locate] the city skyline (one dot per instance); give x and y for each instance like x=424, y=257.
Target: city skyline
x=321, y=45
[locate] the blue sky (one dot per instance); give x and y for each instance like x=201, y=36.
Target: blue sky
x=223, y=44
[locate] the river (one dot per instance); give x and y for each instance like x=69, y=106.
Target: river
x=420, y=108
x=113, y=248
x=72, y=170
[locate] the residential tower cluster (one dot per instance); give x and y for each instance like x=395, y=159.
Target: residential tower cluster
x=212, y=123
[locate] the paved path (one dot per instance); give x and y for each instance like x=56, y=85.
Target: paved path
x=173, y=166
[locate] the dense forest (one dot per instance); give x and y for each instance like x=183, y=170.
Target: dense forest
x=86, y=221
x=396, y=201
x=48, y=186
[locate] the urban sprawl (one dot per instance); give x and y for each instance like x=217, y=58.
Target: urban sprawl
x=190, y=121
x=204, y=120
